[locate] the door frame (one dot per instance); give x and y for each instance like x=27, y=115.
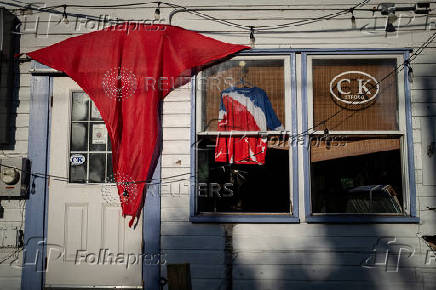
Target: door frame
x=35, y=231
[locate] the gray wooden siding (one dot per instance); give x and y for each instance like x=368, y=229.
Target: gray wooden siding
x=273, y=256
x=304, y=256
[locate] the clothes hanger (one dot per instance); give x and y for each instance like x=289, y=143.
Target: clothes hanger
x=242, y=81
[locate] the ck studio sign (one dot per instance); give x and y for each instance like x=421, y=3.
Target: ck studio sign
x=354, y=89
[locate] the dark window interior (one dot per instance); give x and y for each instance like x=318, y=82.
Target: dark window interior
x=254, y=188
x=355, y=180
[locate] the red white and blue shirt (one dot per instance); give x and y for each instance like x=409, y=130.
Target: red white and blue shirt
x=244, y=109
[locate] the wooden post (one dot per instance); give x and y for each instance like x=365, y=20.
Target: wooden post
x=179, y=277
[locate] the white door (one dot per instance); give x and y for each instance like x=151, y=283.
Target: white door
x=89, y=242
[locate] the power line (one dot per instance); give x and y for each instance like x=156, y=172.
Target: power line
x=398, y=68
x=304, y=133
x=52, y=9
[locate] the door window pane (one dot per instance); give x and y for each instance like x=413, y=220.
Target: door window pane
x=80, y=107
x=79, y=136
x=97, y=167
x=78, y=172
x=90, y=149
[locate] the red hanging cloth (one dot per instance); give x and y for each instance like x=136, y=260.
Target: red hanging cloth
x=126, y=70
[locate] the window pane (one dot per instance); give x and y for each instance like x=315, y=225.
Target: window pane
x=95, y=113
x=79, y=136
x=224, y=187
x=88, y=135
x=97, y=167
x=250, y=93
x=80, y=108
x=356, y=175
x=355, y=94
x=78, y=172
x=97, y=137
x=109, y=168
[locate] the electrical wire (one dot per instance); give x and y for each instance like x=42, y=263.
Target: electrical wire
x=306, y=132
x=52, y=9
x=10, y=255
x=302, y=134
x=18, y=248
x=61, y=178
x=300, y=22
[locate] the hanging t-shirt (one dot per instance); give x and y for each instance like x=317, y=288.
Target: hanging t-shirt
x=244, y=109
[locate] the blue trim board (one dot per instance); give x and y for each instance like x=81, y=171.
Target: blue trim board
x=361, y=219
x=38, y=152
x=151, y=234
x=306, y=165
x=248, y=218
x=353, y=52
x=193, y=157
x=266, y=51
x=295, y=192
x=409, y=136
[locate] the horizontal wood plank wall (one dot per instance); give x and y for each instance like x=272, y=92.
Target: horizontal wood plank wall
x=286, y=256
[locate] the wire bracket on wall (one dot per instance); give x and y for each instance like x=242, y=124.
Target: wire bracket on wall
x=157, y=12
x=252, y=38
x=353, y=19
x=65, y=15
x=410, y=74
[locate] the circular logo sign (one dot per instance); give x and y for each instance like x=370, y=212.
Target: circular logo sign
x=119, y=83
x=354, y=89
x=77, y=159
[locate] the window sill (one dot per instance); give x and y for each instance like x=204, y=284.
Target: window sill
x=244, y=218
x=361, y=219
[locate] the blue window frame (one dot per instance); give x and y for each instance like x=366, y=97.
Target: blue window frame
x=408, y=170
x=300, y=159
x=273, y=217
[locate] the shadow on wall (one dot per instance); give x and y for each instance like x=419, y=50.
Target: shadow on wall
x=9, y=79
x=335, y=256
x=316, y=256
x=306, y=257
x=323, y=256
x=427, y=196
